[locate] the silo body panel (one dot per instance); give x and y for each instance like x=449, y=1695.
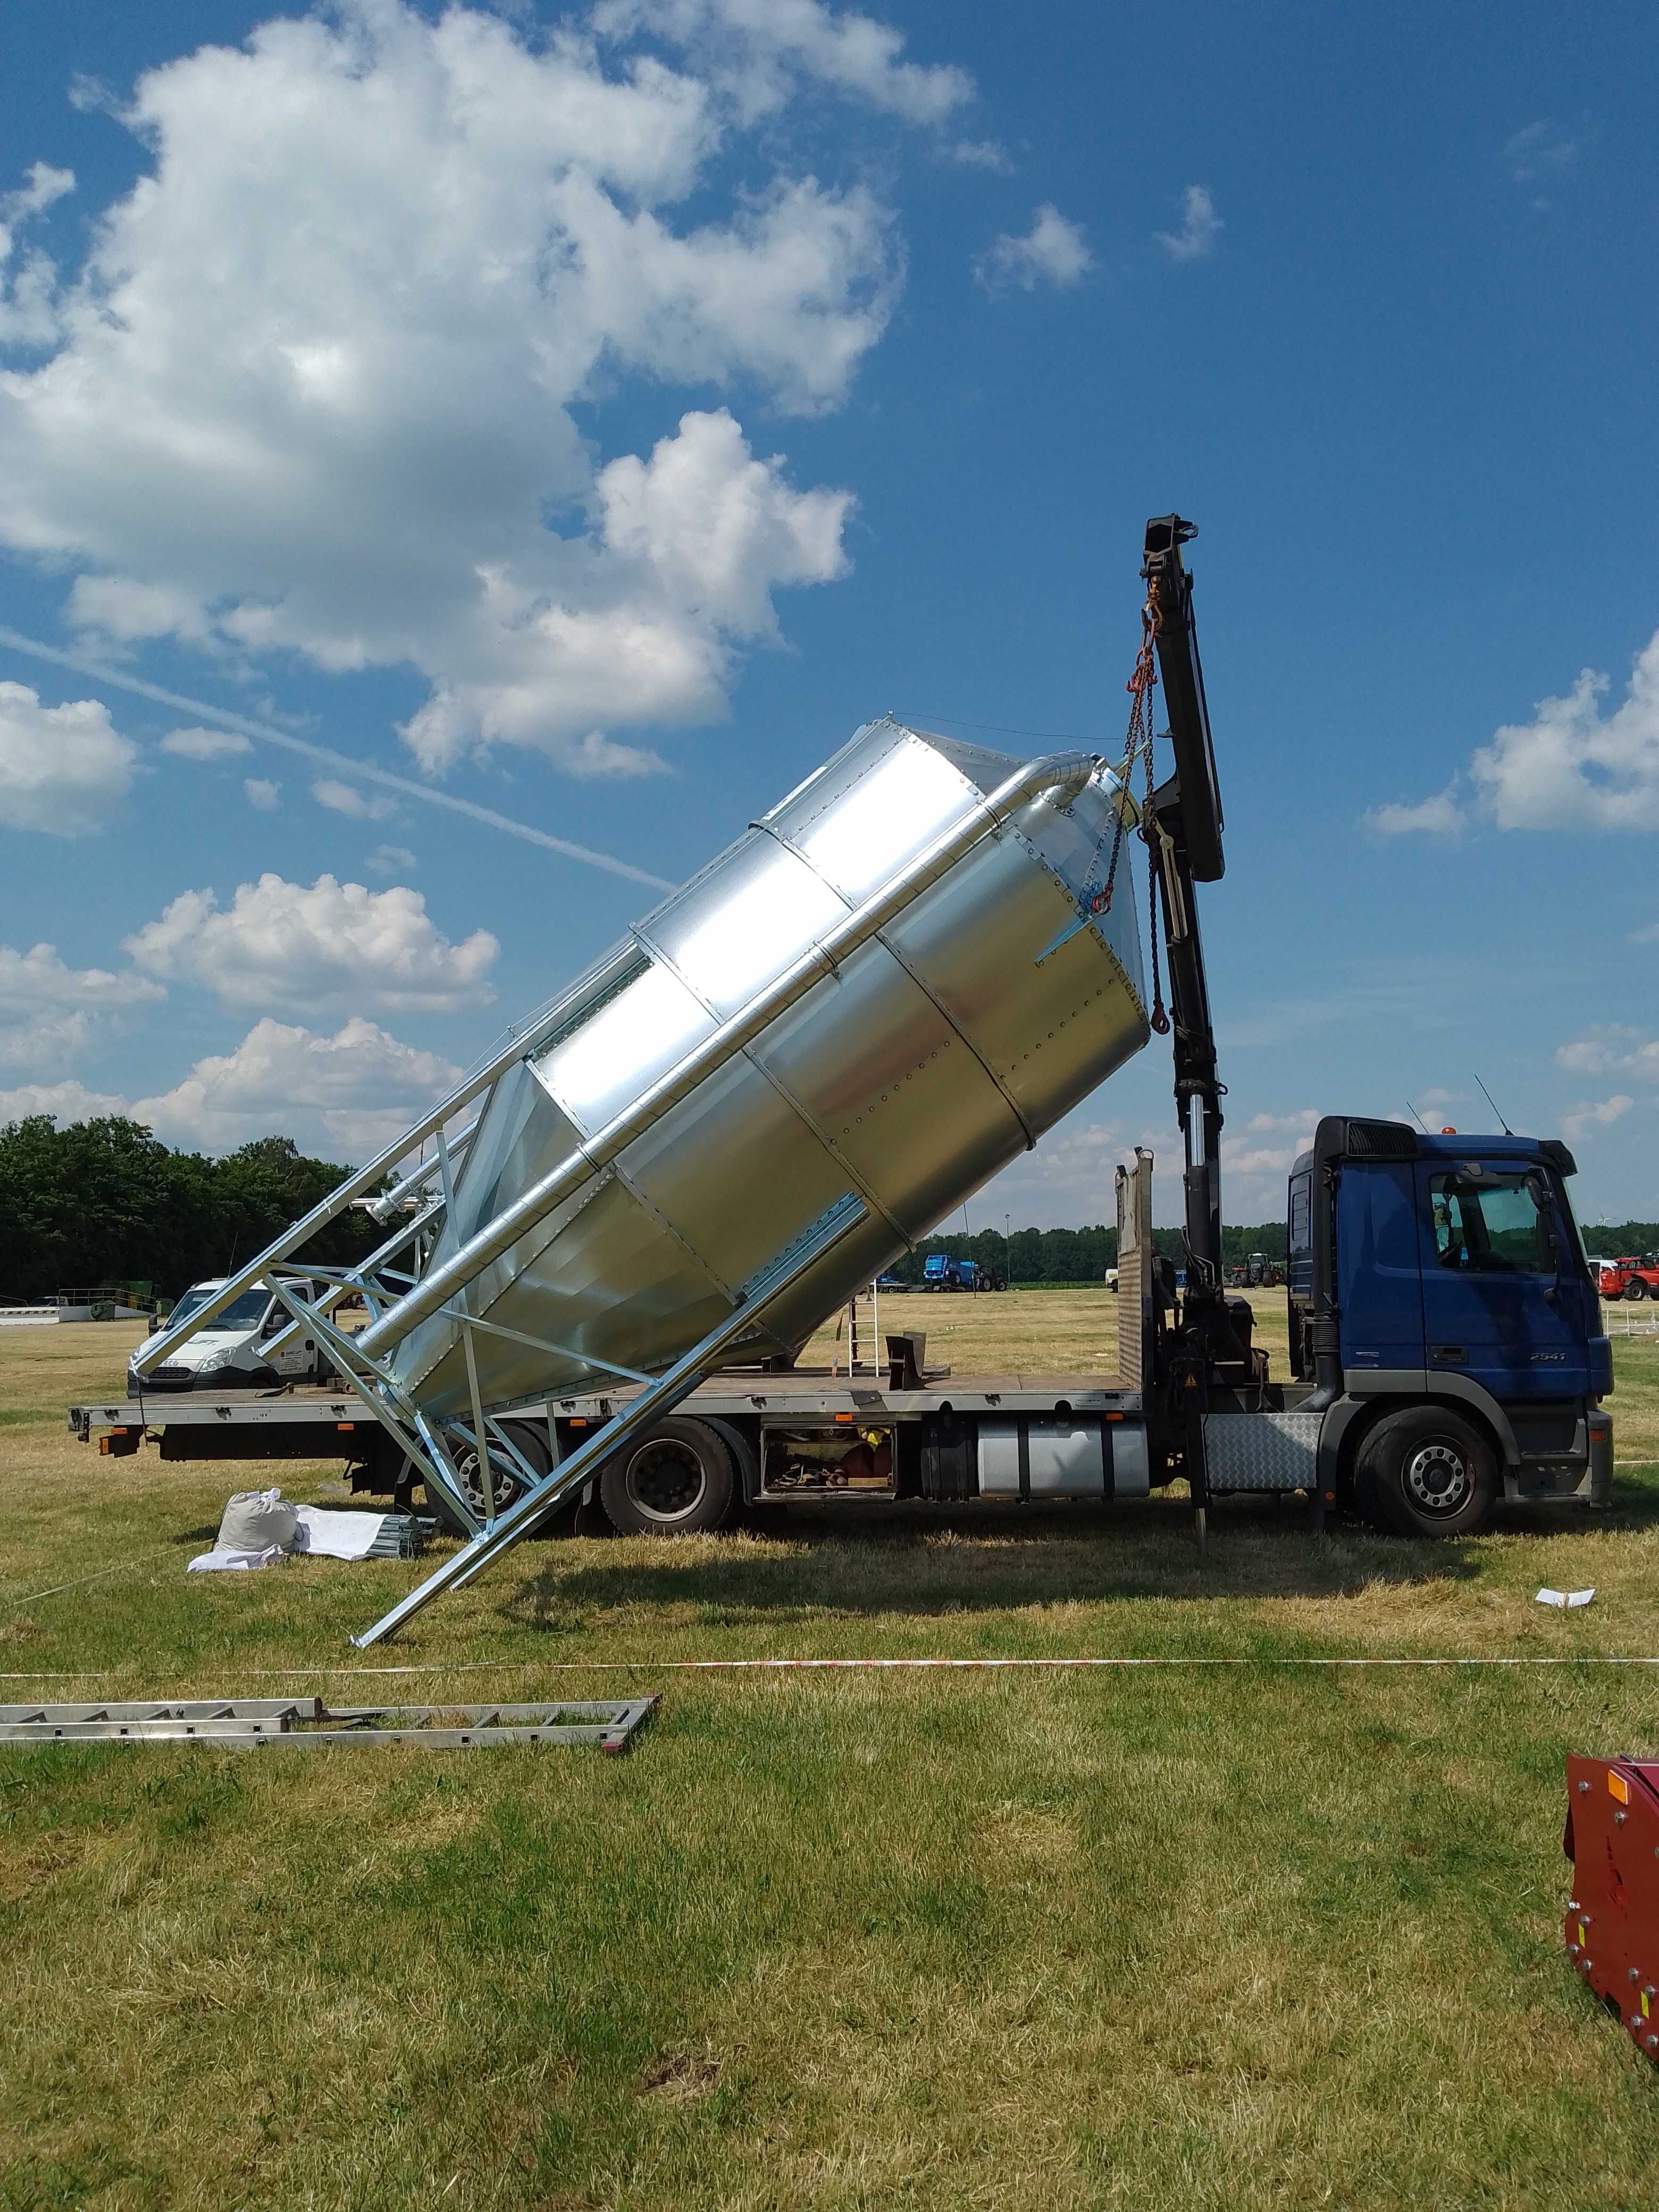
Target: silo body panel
x=892, y=1087
x=906, y=1074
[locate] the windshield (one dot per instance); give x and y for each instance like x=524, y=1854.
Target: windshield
x=1495, y=1226
x=245, y=1312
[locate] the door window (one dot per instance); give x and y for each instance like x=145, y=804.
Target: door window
x=1493, y=1224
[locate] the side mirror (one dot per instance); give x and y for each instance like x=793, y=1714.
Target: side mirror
x=1538, y=1190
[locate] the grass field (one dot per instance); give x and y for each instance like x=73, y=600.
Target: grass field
x=1215, y=1936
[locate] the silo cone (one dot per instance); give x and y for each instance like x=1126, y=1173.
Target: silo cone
x=907, y=1074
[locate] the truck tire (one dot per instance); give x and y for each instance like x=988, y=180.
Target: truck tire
x=675, y=1480
x=1636, y=1290
x=1430, y=1473
x=508, y=1484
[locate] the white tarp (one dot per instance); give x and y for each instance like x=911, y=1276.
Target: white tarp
x=261, y=1527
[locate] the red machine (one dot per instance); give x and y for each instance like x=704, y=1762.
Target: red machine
x=1630, y=1278
x=1612, y=1922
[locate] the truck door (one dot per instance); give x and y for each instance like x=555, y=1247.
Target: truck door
x=1501, y=1303
x=1379, y=1275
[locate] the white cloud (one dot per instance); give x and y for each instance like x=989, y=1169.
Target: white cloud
x=349, y=1093
x=1539, y=153
x=204, y=745
x=261, y=792
x=123, y=609
x=346, y=799
x=1239, y=1159
x=45, y=186
x=354, y=1091
x=1439, y=817
x=759, y=49
x=1649, y=935
x=1200, y=226
x=710, y=522
x=28, y=312
x=1066, y=1180
x=44, y=1041
x=1573, y=767
x=1580, y=1122
x=49, y=1011
x=982, y=154
x=68, y=1101
x=1611, y=1047
x=281, y=945
x=40, y=977
x=315, y=385
x=701, y=525
x=62, y=769
x=391, y=861
x=1053, y=252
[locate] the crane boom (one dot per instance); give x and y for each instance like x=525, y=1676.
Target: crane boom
x=1185, y=837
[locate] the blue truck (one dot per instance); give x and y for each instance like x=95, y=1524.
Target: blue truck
x=939, y=1271
x=1442, y=1309
x=1446, y=1349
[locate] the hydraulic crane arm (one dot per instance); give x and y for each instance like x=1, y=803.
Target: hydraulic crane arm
x=1184, y=835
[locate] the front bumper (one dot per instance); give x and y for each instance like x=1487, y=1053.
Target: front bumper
x=168, y=1380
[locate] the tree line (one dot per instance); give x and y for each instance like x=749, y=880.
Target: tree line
x=106, y=1202
x=1074, y=1255
x=1083, y=1255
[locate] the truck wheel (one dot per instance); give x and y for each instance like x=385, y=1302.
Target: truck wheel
x=506, y=1481
x=1636, y=1290
x=1430, y=1472
x=675, y=1480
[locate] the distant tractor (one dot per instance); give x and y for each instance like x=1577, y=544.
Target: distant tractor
x=941, y=1272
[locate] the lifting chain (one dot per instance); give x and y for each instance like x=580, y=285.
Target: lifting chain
x=1140, y=687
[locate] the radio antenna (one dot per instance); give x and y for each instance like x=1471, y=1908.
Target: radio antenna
x=1416, y=1116
x=1492, y=1102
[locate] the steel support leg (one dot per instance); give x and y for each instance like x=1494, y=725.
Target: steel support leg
x=527, y=1513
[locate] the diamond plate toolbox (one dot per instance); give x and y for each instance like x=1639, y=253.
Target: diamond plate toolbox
x=1263, y=1451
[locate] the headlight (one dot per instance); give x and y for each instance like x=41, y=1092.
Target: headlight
x=216, y=1359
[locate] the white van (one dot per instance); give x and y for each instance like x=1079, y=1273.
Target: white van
x=231, y=1354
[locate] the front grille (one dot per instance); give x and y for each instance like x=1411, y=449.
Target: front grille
x=167, y=1377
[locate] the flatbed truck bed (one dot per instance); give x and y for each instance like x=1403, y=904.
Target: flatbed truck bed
x=739, y=1391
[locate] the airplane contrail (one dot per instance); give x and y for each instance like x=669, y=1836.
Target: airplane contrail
x=248, y=725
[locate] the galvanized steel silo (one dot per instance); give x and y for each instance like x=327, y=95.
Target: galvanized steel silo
x=907, y=1072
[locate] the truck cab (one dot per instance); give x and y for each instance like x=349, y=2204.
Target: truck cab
x=1443, y=1309
x=238, y=1351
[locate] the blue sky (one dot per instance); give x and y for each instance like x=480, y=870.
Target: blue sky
x=593, y=418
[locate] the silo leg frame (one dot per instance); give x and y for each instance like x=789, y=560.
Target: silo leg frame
x=657, y=1398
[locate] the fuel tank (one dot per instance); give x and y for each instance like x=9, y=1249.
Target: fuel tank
x=906, y=1073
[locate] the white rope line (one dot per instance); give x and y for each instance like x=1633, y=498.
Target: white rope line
x=79, y=1581
x=727, y=1666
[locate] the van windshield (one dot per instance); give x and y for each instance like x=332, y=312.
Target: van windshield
x=245, y=1312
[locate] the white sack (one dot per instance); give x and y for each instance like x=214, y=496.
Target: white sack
x=255, y=1520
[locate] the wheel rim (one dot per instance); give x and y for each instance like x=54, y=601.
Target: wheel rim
x=1437, y=1479
x=505, y=1480
x=665, y=1479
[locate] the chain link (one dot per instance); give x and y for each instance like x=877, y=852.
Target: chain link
x=1138, y=740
